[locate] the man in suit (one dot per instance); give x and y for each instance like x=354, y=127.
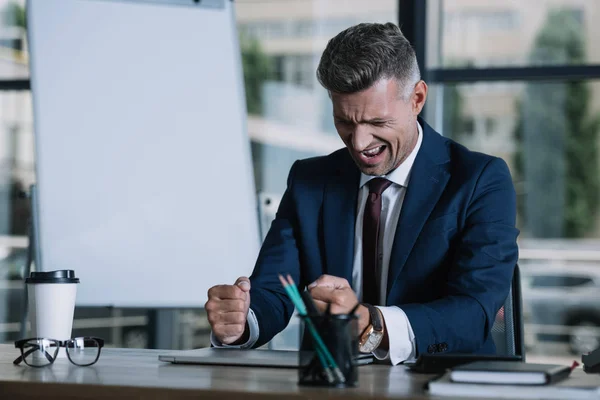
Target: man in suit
x=415, y=227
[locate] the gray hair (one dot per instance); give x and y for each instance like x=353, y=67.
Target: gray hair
x=361, y=55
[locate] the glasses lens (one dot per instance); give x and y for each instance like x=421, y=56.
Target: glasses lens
x=83, y=351
x=40, y=352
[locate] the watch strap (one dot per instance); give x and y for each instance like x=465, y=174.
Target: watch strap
x=375, y=317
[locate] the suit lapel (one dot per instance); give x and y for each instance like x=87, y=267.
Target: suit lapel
x=428, y=180
x=339, y=217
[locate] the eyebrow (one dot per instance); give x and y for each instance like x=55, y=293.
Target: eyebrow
x=367, y=121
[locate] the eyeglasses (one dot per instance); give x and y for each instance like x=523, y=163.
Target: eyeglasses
x=40, y=352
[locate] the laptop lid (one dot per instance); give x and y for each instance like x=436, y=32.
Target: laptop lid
x=238, y=357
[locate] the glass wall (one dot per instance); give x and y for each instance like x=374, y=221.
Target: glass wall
x=290, y=115
x=547, y=131
x=16, y=165
x=492, y=33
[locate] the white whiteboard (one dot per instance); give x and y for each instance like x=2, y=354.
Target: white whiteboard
x=145, y=184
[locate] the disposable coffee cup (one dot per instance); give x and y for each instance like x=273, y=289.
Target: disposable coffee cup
x=52, y=303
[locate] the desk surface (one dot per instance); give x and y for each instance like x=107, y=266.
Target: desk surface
x=132, y=373
x=127, y=373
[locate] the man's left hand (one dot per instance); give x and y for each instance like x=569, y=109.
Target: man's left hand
x=337, y=293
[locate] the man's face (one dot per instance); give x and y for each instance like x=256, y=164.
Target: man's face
x=378, y=126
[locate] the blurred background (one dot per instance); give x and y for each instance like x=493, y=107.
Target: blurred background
x=516, y=79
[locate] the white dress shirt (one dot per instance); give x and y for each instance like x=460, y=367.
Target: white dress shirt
x=401, y=337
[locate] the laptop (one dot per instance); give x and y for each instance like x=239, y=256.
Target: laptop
x=238, y=357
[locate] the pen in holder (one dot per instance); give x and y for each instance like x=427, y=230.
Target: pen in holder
x=338, y=334
x=332, y=342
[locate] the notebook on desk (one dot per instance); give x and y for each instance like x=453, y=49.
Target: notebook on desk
x=509, y=373
x=436, y=363
x=579, y=386
x=237, y=357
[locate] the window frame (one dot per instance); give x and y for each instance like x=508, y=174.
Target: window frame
x=412, y=18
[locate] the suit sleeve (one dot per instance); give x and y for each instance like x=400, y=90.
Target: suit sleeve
x=278, y=255
x=480, y=276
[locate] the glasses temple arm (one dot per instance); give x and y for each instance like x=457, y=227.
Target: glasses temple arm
x=20, y=359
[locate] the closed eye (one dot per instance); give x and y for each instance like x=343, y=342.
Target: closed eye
x=342, y=122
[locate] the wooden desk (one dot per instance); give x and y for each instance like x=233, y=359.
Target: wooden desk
x=129, y=373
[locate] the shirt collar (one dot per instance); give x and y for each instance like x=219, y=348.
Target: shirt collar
x=400, y=175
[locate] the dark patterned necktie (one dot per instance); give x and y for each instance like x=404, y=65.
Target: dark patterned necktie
x=370, y=238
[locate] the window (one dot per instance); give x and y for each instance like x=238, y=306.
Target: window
x=13, y=41
x=16, y=122
x=494, y=33
x=16, y=163
x=290, y=113
x=521, y=81
x=548, y=127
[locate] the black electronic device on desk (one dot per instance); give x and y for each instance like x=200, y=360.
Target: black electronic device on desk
x=435, y=363
x=591, y=361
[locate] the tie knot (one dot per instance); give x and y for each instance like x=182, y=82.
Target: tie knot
x=378, y=185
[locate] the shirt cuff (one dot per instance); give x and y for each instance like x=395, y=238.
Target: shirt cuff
x=252, y=327
x=400, y=335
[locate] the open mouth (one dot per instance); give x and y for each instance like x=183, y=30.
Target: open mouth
x=371, y=157
x=374, y=152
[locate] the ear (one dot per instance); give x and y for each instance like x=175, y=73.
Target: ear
x=418, y=97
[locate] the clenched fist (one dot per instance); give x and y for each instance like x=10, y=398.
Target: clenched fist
x=336, y=293
x=227, y=309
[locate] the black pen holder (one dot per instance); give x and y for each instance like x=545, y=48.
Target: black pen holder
x=332, y=360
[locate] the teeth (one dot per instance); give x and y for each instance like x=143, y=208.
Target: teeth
x=372, y=152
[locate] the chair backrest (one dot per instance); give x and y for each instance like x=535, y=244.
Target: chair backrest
x=507, y=330
x=268, y=203
x=288, y=339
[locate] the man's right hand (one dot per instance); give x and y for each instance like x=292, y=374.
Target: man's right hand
x=227, y=309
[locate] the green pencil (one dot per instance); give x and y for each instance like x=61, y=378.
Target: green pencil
x=319, y=352
x=294, y=295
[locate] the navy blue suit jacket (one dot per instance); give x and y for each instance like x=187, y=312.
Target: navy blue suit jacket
x=454, y=249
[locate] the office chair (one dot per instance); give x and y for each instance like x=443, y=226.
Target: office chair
x=268, y=203
x=507, y=330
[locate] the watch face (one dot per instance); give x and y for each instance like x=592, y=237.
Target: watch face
x=372, y=342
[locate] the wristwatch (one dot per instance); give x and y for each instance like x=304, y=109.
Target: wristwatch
x=373, y=334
